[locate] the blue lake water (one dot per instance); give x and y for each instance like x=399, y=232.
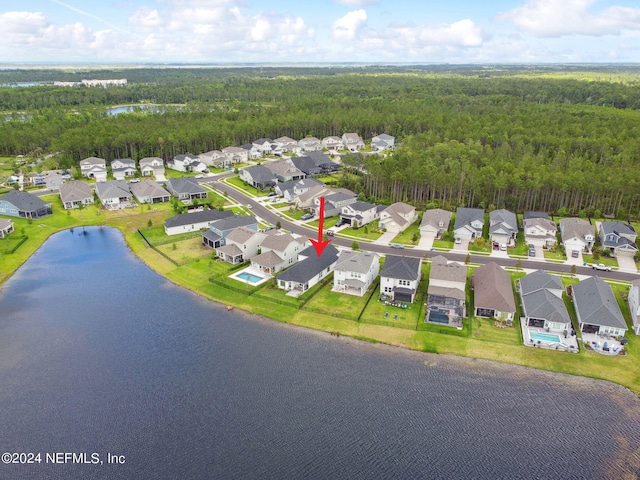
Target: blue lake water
x=100, y=355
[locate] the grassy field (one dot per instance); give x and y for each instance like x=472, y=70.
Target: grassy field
x=406, y=237
x=480, y=338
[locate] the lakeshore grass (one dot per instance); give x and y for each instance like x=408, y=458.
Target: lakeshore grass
x=492, y=343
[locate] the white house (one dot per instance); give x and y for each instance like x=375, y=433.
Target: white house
x=469, y=223
x=214, y=158
x=151, y=166
x=113, y=193
x=332, y=143
x=634, y=305
x=435, y=222
x=309, y=270
x=355, y=272
x=236, y=154
x=383, y=142
x=577, y=234
x=352, y=142
x=278, y=252
x=241, y=245
x=122, y=168
x=503, y=227
x=397, y=217
x=310, y=144
x=182, y=162
x=6, y=227
x=597, y=309
x=358, y=214
x=540, y=232
x=542, y=304
x=76, y=194
x=94, y=167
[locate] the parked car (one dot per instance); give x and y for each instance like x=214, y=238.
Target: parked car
x=532, y=252
x=330, y=233
x=503, y=247
x=397, y=245
x=271, y=194
x=575, y=253
x=307, y=216
x=601, y=266
x=458, y=240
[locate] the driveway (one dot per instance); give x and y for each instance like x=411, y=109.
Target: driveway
x=463, y=245
x=385, y=239
x=426, y=242
x=626, y=263
x=574, y=261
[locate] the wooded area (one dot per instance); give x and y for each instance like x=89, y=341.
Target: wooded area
x=559, y=140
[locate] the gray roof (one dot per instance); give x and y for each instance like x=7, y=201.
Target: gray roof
x=278, y=242
x=492, y=288
x=502, y=219
x=529, y=214
x=242, y=234
x=261, y=174
x=464, y=216
x=619, y=228
x=545, y=305
x=596, y=304
x=539, y=280
x=339, y=197
x=148, y=188
x=360, y=206
x=93, y=161
x=306, y=269
x=112, y=189
x=75, y=191
x=185, y=185
x=229, y=222
x=268, y=259
x=150, y=160
x=5, y=223
x=23, y=201
x=441, y=269
x=575, y=227
x=404, y=268
x=359, y=262
x=434, y=216
x=127, y=161
x=197, y=217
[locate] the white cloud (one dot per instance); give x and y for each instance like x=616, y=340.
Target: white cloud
x=556, y=18
x=356, y=3
x=346, y=28
x=22, y=22
x=146, y=19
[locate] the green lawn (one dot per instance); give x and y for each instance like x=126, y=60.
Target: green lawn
x=156, y=236
x=247, y=189
x=406, y=237
x=338, y=304
x=368, y=232
x=443, y=244
x=612, y=262
x=378, y=313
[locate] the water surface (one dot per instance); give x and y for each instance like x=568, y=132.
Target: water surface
x=98, y=354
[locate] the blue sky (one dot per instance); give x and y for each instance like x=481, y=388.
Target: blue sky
x=318, y=31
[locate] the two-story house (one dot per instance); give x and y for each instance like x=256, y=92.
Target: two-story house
x=382, y=142
x=334, y=201
x=634, y=305
x=397, y=217
x=618, y=237
x=152, y=167
x=310, y=144
x=352, y=142
x=235, y=154
x=218, y=231
x=122, y=168
x=94, y=167
x=182, y=162
x=446, y=293
x=399, y=278
x=359, y=214
x=278, y=252
x=355, y=272
x=214, y=158
x=539, y=230
x=241, y=245
x=332, y=143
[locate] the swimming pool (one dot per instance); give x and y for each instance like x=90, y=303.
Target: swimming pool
x=249, y=277
x=545, y=337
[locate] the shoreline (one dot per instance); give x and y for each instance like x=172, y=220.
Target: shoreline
x=620, y=372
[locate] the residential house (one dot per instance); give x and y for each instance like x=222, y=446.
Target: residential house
x=311, y=198
x=577, y=234
x=310, y=144
x=218, y=231
x=446, y=293
x=334, y=201
x=258, y=176
x=332, y=143
x=94, y=167
x=182, y=162
x=469, y=223
x=352, y=142
x=6, y=227
x=76, y=194
x=323, y=161
x=435, y=222
x=16, y=203
x=148, y=191
x=287, y=145
x=359, y=213
x=597, y=309
x=186, y=189
x=214, y=158
x=399, y=278
x=122, y=168
x=397, y=217
x=285, y=170
x=114, y=193
x=235, y=154
x=253, y=152
x=503, y=227
x=540, y=231
x=619, y=238
x=151, y=167
x=634, y=305
x=383, y=142
x=306, y=165
x=493, y=293
x=290, y=190
x=542, y=304
x=278, y=252
x=355, y=272
x=241, y=245
x=309, y=270
x=533, y=214
x=194, y=221
x=264, y=145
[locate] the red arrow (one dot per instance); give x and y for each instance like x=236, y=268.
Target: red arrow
x=319, y=244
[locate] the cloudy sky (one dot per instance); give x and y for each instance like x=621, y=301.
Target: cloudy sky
x=275, y=31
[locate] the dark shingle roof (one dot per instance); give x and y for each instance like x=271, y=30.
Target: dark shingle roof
x=231, y=222
x=23, y=201
x=405, y=268
x=306, y=269
x=185, y=185
x=197, y=217
x=596, y=304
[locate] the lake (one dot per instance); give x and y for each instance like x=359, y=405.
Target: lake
x=102, y=358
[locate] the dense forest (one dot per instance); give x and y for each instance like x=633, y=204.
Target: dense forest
x=560, y=140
